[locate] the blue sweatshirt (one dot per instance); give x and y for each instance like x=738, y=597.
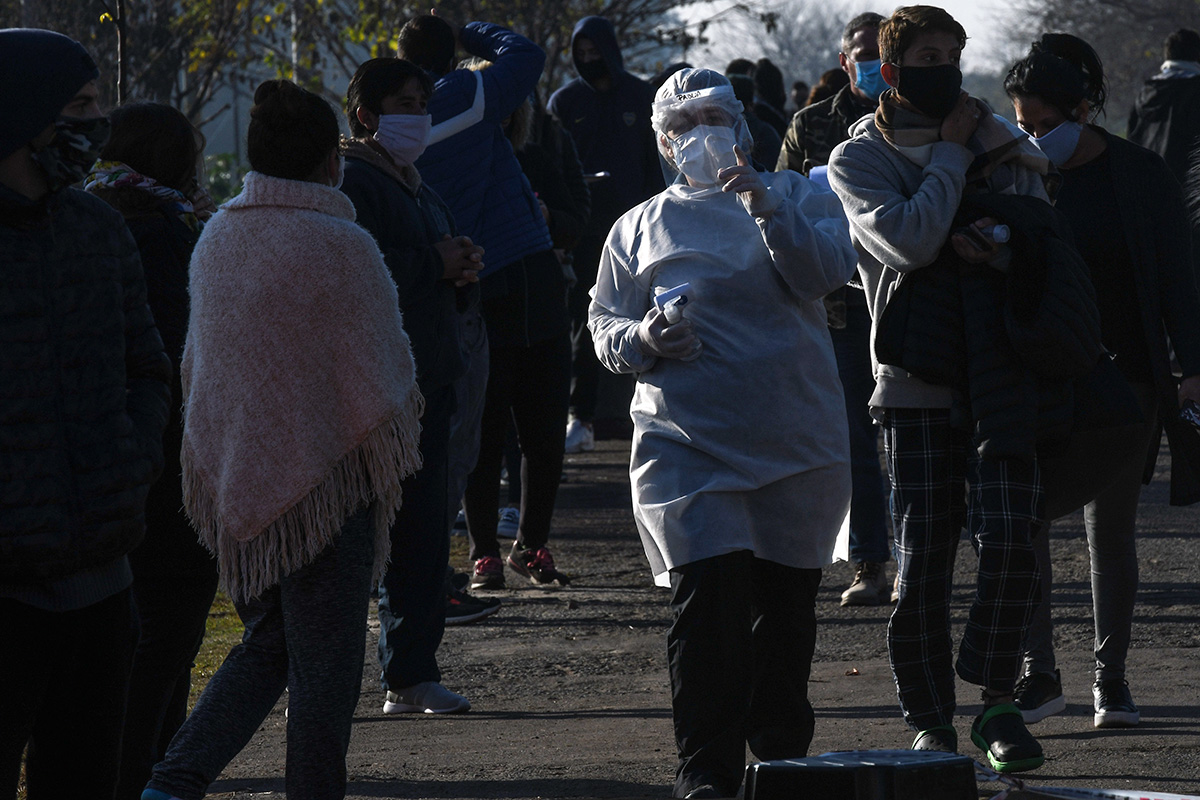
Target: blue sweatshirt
x=470, y=163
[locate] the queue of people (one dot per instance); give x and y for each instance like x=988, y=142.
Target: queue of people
x=353, y=336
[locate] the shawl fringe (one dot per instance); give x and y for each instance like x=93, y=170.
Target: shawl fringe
x=369, y=474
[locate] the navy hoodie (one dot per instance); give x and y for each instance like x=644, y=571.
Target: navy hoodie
x=611, y=130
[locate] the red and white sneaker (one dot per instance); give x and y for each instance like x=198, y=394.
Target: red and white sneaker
x=488, y=573
x=537, y=565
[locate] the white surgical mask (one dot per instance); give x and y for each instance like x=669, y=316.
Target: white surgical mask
x=404, y=136
x=702, y=151
x=1059, y=144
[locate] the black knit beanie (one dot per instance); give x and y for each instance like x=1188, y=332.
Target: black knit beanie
x=40, y=72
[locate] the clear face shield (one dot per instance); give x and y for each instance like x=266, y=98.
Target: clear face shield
x=697, y=129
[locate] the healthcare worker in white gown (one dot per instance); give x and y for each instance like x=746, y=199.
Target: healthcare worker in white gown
x=740, y=465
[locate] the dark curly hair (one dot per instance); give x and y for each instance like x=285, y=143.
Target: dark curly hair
x=1061, y=70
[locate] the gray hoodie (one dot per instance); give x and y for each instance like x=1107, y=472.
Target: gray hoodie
x=900, y=215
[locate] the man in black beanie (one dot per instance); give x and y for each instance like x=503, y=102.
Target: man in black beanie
x=84, y=397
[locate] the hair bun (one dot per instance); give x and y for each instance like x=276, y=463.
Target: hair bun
x=279, y=103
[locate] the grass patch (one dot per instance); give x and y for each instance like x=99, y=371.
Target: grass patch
x=223, y=631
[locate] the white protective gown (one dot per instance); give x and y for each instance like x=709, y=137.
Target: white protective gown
x=745, y=447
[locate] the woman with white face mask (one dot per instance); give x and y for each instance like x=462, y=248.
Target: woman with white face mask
x=736, y=515
x=1127, y=214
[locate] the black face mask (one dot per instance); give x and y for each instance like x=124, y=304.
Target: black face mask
x=932, y=90
x=591, y=70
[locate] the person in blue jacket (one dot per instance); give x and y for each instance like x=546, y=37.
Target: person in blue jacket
x=471, y=165
x=607, y=112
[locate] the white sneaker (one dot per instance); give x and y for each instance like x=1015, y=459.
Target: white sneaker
x=428, y=697
x=580, y=437
x=509, y=523
x=870, y=585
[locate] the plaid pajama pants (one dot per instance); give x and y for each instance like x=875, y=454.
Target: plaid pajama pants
x=938, y=483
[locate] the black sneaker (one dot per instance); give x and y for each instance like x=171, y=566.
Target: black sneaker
x=1038, y=695
x=1001, y=733
x=462, y=608
x=537, y=565
x=941, y=738
x=1114, y=704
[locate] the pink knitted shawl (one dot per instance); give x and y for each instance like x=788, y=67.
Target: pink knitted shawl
x=300, y=400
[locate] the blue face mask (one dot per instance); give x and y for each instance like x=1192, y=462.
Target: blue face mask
x=868, y=79
x=1059, y=144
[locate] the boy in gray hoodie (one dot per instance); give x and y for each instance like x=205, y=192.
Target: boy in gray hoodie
x=901, y=178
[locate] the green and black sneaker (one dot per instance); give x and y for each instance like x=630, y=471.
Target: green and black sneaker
x=1001, y=733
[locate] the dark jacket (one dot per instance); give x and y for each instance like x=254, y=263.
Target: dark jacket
x=1010, y=342
x=1166, y=119
x=611, y=130
x=470, y=163
x=767, y=143
x=165, y=245
x=84, y=388
x=407, y=225
x=1157, y=233
x=552, y=166
x=772, y=116
x=815, y=130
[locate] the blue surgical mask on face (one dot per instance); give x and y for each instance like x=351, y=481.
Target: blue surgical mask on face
x=1059, y=144
x=868, y=78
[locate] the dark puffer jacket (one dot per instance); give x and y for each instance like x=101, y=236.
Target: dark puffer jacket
x=84, y=387
x=1010, y=342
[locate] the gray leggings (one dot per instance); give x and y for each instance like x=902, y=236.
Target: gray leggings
x=1110, y=522
x=307, y=634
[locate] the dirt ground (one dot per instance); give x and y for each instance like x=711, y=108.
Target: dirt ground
x=569, y=686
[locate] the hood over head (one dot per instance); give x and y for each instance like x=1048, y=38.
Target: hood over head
x=600, y=31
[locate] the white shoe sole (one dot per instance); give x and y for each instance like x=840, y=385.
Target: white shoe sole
x=404, y=708
x=1117, y=719
x=1055, y=706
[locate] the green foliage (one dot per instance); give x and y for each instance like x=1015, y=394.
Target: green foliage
x=224, y=176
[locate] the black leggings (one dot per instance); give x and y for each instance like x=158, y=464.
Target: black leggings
x=528, y=385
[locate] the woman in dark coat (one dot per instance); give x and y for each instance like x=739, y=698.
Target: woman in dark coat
x=1127, y=214
x=148, y=172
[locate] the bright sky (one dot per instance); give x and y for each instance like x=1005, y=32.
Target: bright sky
x=981, y=19
x=986, y=46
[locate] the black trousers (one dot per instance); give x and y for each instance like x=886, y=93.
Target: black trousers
x=527, y=385
x=174, y=582
x=585, y=367
x=53, y=662
x=739, y=653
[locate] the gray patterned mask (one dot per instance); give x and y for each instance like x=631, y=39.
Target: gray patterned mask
x=76, y=145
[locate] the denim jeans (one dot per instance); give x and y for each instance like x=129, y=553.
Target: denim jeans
x=868, y=512
x=412, y=598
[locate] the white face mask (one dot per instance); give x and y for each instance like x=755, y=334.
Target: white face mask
x=404, y=136
x=702, y=151
x=1059, y=144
